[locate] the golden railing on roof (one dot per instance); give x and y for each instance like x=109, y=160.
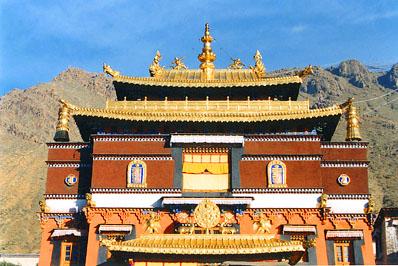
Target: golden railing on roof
x=208, y=105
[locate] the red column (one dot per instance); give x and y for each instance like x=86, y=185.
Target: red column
x=46, y=248
x=92, y=245
x=367, y=248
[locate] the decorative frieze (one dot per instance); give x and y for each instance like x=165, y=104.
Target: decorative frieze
x=278, y=190
x=64, y=196
x=111, y=138
x=282, y=138
x=102, y=157
x=70, y=145
x=344, y=145
x=345, y=164
x=135, y=190
x=67, y=165
x=348, y=196
x=281, y=157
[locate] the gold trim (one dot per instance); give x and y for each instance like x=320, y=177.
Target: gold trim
x=205, y=244
x=213, y=83
x=222, y=114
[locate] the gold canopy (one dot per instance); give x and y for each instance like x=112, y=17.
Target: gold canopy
x=208, y=244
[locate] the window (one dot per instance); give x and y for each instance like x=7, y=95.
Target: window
x=205, y=169
x=136, y=174
x=69, y=254
x=343, y=253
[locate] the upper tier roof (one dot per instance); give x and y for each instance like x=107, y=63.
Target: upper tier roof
x=222, y=78
x=207, y=77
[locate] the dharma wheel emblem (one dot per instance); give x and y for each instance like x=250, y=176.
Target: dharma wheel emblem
x=343, y=180
x=207, y=214
x=70, y=180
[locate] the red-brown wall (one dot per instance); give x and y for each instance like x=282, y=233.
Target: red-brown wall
x=147, y=147
x=358, y=177
x=333, y=154
x=56, y=180
x=305, y=174
x=113, y=174
x=282, y=147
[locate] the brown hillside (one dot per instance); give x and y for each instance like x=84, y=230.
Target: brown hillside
x=28, y=118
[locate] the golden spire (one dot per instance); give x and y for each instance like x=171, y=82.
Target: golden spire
x=352, y=122
x=207, y=57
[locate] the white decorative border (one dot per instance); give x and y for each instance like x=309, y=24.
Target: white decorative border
x=135, y=190
x=344, y=164
x=281, y=157
x=110, y=138
x=65, y=205
x=64, y=196
x=348, y=196
x=67, y=165
x=313, y=138
x=277, y=190
x=97, y=157
x=67, y=145
x=344, y=145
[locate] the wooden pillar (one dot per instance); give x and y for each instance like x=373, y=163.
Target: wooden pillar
x=46, y=248
x=92, y=245
x=321, y=249
x=367, y=248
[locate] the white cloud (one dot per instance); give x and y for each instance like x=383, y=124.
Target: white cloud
x=298, y=28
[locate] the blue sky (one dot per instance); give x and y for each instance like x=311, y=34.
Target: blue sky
x=39, y=39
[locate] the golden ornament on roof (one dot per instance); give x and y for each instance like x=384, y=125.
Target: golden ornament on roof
x=155, y=70
x=259, y=68
x=352, y=122
x=305, y=72
x=108, y=70
x=207, y=57
x=236, y=64
x=178, y=64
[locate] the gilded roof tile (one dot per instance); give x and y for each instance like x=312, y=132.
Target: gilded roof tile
x=205, y=244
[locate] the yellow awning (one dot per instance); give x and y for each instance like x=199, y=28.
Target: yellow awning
x=205, y=244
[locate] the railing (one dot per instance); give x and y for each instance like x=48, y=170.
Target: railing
x=208, y=105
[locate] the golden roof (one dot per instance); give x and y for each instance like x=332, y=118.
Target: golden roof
x=205, y=111
x=222, y=78
x=207, y=75
x=207, y=244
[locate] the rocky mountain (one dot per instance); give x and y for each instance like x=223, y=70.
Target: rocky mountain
x=28, y=118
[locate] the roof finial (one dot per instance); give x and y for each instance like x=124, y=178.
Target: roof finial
x=207, y=57
x=352, y=122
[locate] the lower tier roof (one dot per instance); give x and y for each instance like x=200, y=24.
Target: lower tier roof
x=205, y=244
x=235, y=117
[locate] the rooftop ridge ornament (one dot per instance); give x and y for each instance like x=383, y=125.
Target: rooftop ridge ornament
x=178, y=64
x=108, y=70
x=155, y=69
x=207, y=57
x=259, y=68
x=236, y=64
x=306, y=72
